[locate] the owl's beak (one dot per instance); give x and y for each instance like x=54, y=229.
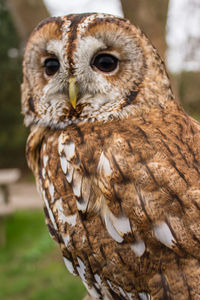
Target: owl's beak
x=73, y=91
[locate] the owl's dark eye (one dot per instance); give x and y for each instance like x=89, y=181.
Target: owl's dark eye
x=51, y=66
x=105, y=62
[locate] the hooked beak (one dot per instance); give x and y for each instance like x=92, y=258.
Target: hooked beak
x=73, y=91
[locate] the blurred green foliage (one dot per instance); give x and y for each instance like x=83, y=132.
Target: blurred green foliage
x=12, y=133
x=31, y=264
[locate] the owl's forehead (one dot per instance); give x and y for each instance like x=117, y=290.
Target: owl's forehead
x=82, y=22
x=71, y=27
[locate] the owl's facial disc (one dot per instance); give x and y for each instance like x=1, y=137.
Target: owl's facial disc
x=78, y=69
x=82, y=68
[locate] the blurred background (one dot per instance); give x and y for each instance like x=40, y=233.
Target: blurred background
x=30, y=262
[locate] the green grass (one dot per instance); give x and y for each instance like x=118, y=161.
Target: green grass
x=31, y=267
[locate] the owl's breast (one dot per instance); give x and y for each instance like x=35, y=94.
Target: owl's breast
x=94, y=234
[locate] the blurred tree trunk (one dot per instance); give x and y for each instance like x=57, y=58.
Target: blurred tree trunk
x=26, y=14
x=151, y=17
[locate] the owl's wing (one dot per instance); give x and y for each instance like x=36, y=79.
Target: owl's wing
x=150, y=198
x=143, y=182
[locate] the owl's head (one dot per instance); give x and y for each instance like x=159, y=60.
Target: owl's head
x=89, y=67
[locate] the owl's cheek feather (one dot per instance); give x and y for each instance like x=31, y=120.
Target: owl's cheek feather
x=31, y=104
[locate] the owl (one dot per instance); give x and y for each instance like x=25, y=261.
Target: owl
x=115, y=157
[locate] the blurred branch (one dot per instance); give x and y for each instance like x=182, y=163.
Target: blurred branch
x=151, y=17
x=26, y=14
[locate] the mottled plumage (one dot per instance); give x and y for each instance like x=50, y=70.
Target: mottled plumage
x=116, y=159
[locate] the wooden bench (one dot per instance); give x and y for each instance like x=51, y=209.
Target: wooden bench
x=7, y=177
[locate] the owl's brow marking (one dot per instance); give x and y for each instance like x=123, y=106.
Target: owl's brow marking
x=75, y=21
x=59, y=21
x=109, y=19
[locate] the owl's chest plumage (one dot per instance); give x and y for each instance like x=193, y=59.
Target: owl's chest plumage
x=82, y=213
x=114, y=201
